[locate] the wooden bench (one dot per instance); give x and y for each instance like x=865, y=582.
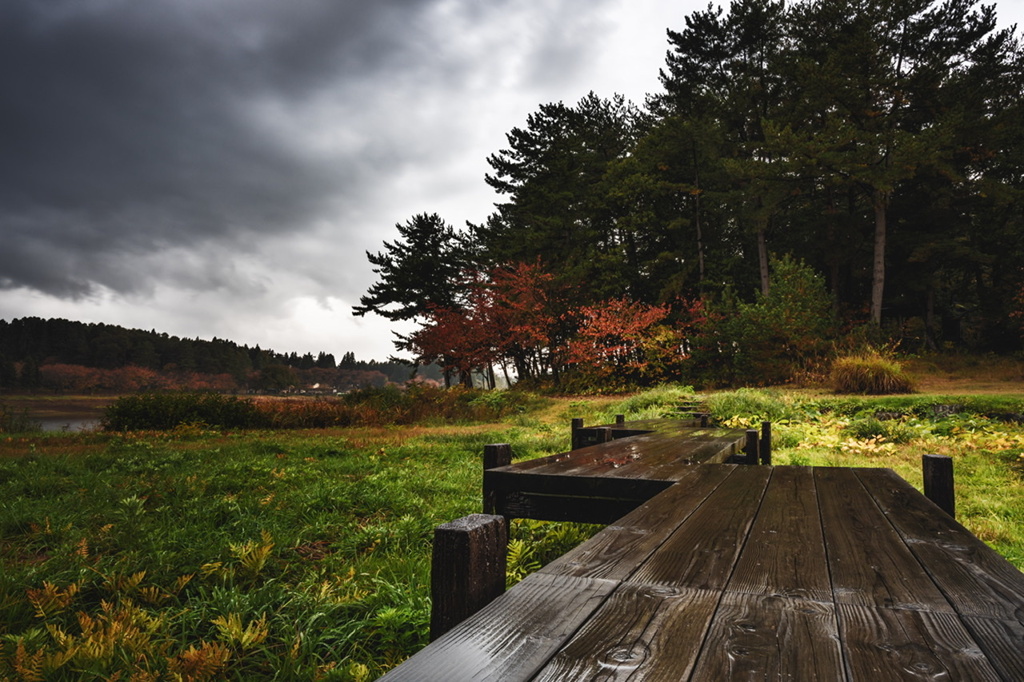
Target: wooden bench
x=740, y=572
x=599, y=483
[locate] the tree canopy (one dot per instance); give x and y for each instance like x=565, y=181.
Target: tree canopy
x=878, y=143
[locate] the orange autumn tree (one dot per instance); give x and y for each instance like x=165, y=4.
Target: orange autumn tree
x=508, y=316
x=620, y=343
x=528, y=318
x=459, y=339
x=517, y=316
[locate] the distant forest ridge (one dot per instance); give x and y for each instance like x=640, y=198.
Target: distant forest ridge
x=68, y=356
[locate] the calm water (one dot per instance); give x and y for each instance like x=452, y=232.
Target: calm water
x=64, y=424
x=56, y=414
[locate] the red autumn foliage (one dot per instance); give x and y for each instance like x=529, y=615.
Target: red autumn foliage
x=517, y=315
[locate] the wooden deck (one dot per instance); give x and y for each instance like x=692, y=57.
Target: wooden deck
x=603, y=482
x=754, y=572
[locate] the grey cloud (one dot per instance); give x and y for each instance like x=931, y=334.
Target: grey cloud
x=246, y=128
x=124, y=126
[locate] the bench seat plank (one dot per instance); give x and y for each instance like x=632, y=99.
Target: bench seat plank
x=868, y=560
x=701, y=553
x=637, y=634
x=785, y=552
x=975, y=579
x=616, y=551
x=758, y=637
x=513, y=636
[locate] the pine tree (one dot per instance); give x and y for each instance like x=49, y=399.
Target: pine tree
x=419, y=270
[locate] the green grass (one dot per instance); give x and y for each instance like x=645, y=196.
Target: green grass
x=305, y=554
x=301, y=555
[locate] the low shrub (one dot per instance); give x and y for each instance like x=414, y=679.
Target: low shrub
x=656, y=402
x=778, y=337
x=869, y=374
x=419, y=403
x=893, y=431
x=753, y=405
x=165, y=411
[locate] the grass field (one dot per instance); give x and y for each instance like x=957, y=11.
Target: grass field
x=304, y=554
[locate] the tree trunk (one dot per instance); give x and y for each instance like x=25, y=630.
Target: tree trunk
x=833, y=251
x=880, y=200
x=762, y=257
x=929, y=318
x=696, y=219
x=700, y=245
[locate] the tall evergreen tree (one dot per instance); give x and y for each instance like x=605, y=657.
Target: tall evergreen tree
x=556, y=206
x=723, y=71
x=419, y=270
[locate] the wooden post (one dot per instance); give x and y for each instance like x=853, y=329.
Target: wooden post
x=468, y=569
x=620, y=419
x=577, y=424
x=938, y=482
x=766, y=443
x=497, y=455
x=704, y=416
x=751, y=447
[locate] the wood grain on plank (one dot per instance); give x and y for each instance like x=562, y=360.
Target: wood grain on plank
x=976, y=579
x=1003, y=643
x=701, y=553
x=615, y=552
x=771, y=638
x=641, y=632
x=869, y=563
x=512, y=637
x=785, y=552
x=900, y=644
x=564, y=508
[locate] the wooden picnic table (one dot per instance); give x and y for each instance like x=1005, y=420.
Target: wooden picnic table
x=755, y=572
x=603, y=482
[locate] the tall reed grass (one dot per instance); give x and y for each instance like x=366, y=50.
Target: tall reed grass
x=367, y=407
x=869, y=373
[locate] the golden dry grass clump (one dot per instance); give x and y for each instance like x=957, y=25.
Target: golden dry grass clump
x=869, y=373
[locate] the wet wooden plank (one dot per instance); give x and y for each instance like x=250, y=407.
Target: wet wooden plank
x=559, y=498
x=702, y=552
x=902, y=644
x=1003, y=643
x=657, y=447
x=975, y=579
x=869, y=563
x=785, y=552
x=643, y=632
x=633, y=458
x=755, y=637
x=601, y=483
x=672, y=457
x=512, y=637
x=580, y=509
x=615, y=552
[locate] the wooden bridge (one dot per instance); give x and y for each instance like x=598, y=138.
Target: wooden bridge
x=717, y=570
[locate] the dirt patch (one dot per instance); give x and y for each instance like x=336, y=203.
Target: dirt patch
x=955, y=374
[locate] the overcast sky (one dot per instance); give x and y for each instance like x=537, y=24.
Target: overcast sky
x=220, y=167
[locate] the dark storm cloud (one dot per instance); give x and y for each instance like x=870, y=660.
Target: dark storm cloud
x=130, y=127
